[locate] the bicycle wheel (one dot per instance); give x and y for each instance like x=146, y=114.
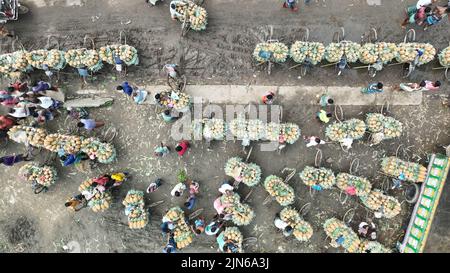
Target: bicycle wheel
x=182, y=83
x=447, y=73
x=40, y=189
x=303, y=70
x=109, y=134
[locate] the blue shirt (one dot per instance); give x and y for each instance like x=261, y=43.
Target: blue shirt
x=89, y=124
x=117, y=60
x=83, y=72
x=191, y=202
x=127, y=89
x=42, y=86
x=69, y=160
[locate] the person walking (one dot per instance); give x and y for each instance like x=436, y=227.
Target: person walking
x=154, y=185
x=325, y=100
x=162, y=150
x=324, y=116
x=373, y=88
x=90, y=124
x=199, y=226
x=126, y=88
x=313, y=141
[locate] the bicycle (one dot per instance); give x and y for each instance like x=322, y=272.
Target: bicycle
x=408, y=68
x=178, y=83
x=108, y=135
x=307, y=65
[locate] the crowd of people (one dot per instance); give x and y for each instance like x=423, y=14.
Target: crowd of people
x=425, y=13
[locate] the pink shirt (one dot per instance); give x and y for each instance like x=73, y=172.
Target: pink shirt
x=429, y=85
x=219, y=207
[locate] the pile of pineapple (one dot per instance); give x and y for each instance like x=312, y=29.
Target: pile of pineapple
x=55, y=59
x=128, y=54
x=283, y=193
x=444, y=57
x=335, y=51
x=303, y=231
x=197, y=15
x=413, y=172
x=34, y=136
x=100, y=201
x=181, y=104
x=95, y=149
x=256, y=129
x=312, y=50
x=242, y=214
x=214, y=129
x=134, y=203
x=379, y=123
x=45, y=175
x=238, y=128
x=335, y=228
x=20, y=61
x=273, y=131
x=407, y=52
x=376, y=201
x=352, y=128
x=318, y=176
x=290, y=132
x=250, y=173
x=362, y=185
x=278, y=52
x=370, y=53
x=182, y=233
x=83, y=57
x=6, y=63
x=235, y=235
x=36, y=58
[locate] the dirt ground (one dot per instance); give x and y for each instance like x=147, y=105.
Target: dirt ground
x=219, y=55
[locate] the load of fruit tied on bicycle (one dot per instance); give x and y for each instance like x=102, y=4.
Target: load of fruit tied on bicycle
x=41, y=177
x=276, y=52
x=245, y=130
x=183, y=234
x=382, y=127
x=343, y=236
x=195, y=15
x=368, y=53
x=282, y=192
x=177, y=100
x=383, y=205
x=64, y=144
x=349, y=130
x=96, y=192
x=303, y=230
x=413, y=172
x=241, y=214
x=247, y=173
x=444, y=57
x=55, y=59
x=135, y=209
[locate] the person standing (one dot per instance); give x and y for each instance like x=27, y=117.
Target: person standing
x=291, y=4
x=268, y=98
x=182, y=147
x=199, y=226
x=90, y=124
x=83, y=73
x=154, y=185
x=373, y=88
x=178, y=190
x=167, y=116
x=190, y=202
x=325, y=100
x=162, y=150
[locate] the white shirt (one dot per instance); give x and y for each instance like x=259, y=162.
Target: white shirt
x=280, y=223
x=225, y=187
x=180, y=187
x=422, y=3
x=46, y=102
x=347, y=142
x=21, y=112
x=312, y=142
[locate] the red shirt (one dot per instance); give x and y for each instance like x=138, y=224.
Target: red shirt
x=18, y=86
x=5, y=122
x=184, y=145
